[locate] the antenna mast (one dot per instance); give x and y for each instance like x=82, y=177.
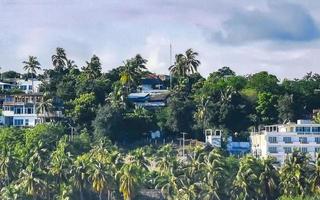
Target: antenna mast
x=170, y=66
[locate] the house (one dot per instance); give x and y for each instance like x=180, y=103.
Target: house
x=281, y=140
x=149, y=99
x=26, y=85
x=6, y=86
x=20, y=109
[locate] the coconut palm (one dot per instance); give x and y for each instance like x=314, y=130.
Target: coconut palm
x=8, y=165
x=93, y=68
x=31, y=181
x=269, y=179
x=129, y=180
x=100, y=178
x=132, y=71
x=60, y=161
x=294, y=170
x=168, y=183
x=79, y=174
x=191, y=61
x=59, y=60
x=45, y=107
x=246, y=183
x=185, y=64
x=315, y=177
x=139, y=157
x=31, y=66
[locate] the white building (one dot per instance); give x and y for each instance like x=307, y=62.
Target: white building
x=20, y=109
x=213, y=137
x=280, y=140
x=26, y=86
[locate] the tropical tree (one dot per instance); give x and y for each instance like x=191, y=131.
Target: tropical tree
x=93, y=68
x=315, y=176
x=31, y=180
x=295, y=170
x=185, y=64
x=270, y=179
x=59, y=60
x=45, y=107
x=100, y=177
x=31, y=66
x=129, y=180
x=8, y=165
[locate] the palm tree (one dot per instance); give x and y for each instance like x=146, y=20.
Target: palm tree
x=139, y=157
x=59, y=60
x=93, y=68
x=100, y=177
x=167, y=182
x=79, y=173
x=127, y=75
x=60, y=161
x=185, y=64
x=30, y=180
x=129, y=180
x=246, y=183
x=132, y=71
x=8, y=165
x=269, y=179
x=31, y=66
x=315, y=177
x=191, y=61
x=45, y=107
x=294, y=170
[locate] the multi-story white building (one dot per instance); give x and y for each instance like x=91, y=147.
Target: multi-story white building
x=20, y=109
x=280, y=140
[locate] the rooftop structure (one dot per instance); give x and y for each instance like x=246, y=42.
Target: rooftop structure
x=282, y=139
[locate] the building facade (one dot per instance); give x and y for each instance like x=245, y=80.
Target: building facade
x=281, y=140
x=20, y=109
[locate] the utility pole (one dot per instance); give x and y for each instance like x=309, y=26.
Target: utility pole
x=170, y=66
x=183, y=143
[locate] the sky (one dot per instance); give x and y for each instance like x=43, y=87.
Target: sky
x=281, y=37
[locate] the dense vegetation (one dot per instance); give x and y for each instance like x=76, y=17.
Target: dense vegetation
x=96, y=101
x=45, y=162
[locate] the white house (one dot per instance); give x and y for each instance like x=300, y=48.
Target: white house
x=280, y=140
x=26, y=85
x=20, y=109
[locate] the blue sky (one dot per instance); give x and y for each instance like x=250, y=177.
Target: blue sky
x=282, y=37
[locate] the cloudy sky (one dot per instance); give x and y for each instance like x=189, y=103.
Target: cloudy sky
x=282, y=37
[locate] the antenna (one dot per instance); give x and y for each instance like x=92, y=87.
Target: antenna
x=170, y=66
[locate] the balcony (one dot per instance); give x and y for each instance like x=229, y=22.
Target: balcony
x=7, y=113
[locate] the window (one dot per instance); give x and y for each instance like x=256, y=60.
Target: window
x=303, y=129
x=18, y=122
x=303, y=140
x=273, y=139
x=287, y=149
x=287, y=140
x=317, y=149
x=29, y=110
x=317, y=140
x=18, y=110
x=26, y=122
x=23, y=87
x=30, y=87
x=303, y=149
x=273, y=150
x=315, y=129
